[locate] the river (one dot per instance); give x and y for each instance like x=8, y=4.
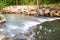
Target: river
x=17, y=25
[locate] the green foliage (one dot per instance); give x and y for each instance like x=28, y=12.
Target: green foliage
x=50, y=1
x=2, y=4
x=25, y=2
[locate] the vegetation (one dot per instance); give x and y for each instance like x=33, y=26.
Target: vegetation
x=27, y=2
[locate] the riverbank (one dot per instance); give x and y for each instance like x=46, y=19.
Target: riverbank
x=32, y=10
x=24, y=10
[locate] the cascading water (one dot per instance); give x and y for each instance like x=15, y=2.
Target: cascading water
x=19, y=27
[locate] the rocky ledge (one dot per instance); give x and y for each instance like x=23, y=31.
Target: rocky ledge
x=32, y=10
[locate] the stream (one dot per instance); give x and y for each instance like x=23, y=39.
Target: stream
x=20, y=27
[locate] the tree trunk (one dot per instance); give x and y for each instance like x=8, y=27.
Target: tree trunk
x=16, y=2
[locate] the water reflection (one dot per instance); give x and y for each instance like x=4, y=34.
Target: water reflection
x=43, y=34
x=50, y=31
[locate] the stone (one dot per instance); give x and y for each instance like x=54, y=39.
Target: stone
x=41, y=12
x=47, y=11
x=57, y=14
x=2, y=18
x=3, y=37
x=52, y=13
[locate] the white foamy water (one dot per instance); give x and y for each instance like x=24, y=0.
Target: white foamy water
x=17, y=25
x=41, y=20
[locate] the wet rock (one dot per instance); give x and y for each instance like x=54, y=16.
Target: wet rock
x=3, y=37
x=2, y=18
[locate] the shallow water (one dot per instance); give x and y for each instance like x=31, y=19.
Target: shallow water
x=19, y=24
x=51, y=30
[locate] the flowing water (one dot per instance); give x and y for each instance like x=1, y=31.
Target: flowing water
x=20, y=26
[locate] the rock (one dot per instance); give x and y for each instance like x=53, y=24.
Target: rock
x=19, y=9
x=2, y=18
x=57, y=14
x=52, y=13
x=41, y=12
x=47, y=11
x=32, y=10
x=3, y=37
